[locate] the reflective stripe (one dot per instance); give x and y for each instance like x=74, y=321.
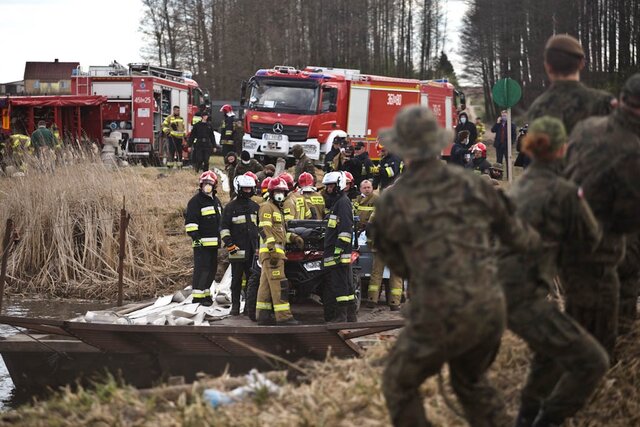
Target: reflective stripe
x=346, y=298
x=254, y=218
x=288, y=236
x=345, y=259
x=333, y=221
x=238, y=255
x=367, y=208
x=265, y=224
x=208, y=210
x=345, y=237
x=209, y=241
x=267, y=215
x=265, y=250
x=374, y=288
x=191, y=227
x=317, y=200
x=225, y=233
x=263, y=305
x=239, y=219
x=329, y=262
x=389, y=171
x=281, y=307
x=396, y=291
x=197, y=293
x=269, y=240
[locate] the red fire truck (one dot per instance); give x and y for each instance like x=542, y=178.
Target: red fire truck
x=309, y=107
x=139, y=98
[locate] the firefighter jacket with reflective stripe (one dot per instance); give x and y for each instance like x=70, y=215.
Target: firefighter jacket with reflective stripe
x=339, y=232
x=315, y=201
x=363, y=207
x=173, y=126
x=273, y=231
x=296, y=206
x=202, y=220
x=226, y=130
x=240, y=228
x=388, y=171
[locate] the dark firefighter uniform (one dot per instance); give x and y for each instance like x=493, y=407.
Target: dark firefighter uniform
x=340, y=298
x=240, y=236
x=202, y=141
x=273, y=293
x=173, y=127
x=388, y=170
x=226, y=134
x=202, y=223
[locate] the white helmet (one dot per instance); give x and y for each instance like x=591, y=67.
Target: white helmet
x=338, y=178
x=243, y=181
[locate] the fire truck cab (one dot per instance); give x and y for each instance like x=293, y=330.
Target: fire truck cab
x=139, y=98
x=309, y=107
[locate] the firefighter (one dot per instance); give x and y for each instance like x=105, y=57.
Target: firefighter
x=19, y=147
x=335, y=157
x=295, y=206
x=202, y=142
x=202, y=223
x=315, y=201
x=366, y=164
x=173, y=127
x=339, y=297
x=227, y=129
x=264, y=188
x=396, y=284
x=351, y=191
x=388, y=170
x=240, y=235
x=257, y=196
x=273, y=292
x=365, y=204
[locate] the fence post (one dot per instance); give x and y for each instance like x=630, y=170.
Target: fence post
x=124, y=223
x=6, y=243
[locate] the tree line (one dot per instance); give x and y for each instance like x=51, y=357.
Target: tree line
x=503, y=38
x=226, y=41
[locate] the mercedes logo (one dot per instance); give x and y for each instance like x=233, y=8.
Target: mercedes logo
x=278, y=127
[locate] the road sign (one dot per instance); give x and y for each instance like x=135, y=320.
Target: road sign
x=506, y=92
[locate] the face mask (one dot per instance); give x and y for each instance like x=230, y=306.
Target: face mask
x=278, y=197
x=208, y=188
x=503, y=118
x=245, y=162
x=463, y=120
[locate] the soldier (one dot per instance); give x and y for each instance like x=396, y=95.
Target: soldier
x=202, y=223
x=568, y=363
x=315, y=201
x=567, y=99
x=603, y=157
x=240, y=235
x=339, y=297
x=456, y=314
x=273, y=292
x=304, y=163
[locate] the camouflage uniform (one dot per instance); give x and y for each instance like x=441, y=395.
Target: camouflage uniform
x=568, y=362
x=629, y=272
x=456, y=314
x=304, y=163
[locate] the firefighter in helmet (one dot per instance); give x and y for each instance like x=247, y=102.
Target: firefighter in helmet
x=339, y=297
x=227, y=129
x=202, y=223
x=315, y=201
x=173, y=127
x=240, y=235
x=295, y=205
x=273, y=292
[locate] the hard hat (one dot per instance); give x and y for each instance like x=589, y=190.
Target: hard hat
x=480, y=147
x=305, y=180
x=278, y=184
x=337, y=178
x=243, y=181
x=226, y=108
x=265, y=184
x=348, y=177
x=208, y=176
x=288, y=179
x=252, y=176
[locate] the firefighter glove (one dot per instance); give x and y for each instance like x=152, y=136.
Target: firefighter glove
x=233, y=249
x=297, y=241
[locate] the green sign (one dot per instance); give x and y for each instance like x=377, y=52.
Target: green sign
x=506, y=93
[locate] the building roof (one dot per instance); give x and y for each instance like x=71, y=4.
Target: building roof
x=49, y=71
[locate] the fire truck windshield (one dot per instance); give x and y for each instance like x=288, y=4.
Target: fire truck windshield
x=284, y=97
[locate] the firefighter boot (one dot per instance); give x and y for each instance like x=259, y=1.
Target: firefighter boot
x=265, y=318
x=339, y=315
x=235, y=309
x=207, y=301
x=352, y=315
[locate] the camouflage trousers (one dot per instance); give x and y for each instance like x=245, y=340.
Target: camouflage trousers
x=592, y=299
x=629, y=273
x=567, y=365
x=468, y=347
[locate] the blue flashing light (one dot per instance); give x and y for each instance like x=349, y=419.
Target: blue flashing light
x=262, y=73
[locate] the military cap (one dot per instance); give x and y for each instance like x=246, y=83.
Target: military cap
x=565, y=43
x=631, y=91
x=416, y=134
x=552, y=127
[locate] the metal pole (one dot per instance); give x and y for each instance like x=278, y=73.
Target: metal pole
x=509, y=165
x=6, y=243
x=124, y=223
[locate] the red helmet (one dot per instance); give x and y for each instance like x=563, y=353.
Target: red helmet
x=305, y=179
x=226, y=108
x=480, y=147
x=208, y=176
x=278, y=184
x=265, y=184
x=252, y=175
x=349, y=177
x=288, y=179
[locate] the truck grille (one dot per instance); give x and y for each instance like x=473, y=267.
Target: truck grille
x=295, y=133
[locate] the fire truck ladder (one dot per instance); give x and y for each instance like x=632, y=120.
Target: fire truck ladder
x=82, y=82
x=154, y=70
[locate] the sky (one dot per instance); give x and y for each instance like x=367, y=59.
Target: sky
x=96, y=32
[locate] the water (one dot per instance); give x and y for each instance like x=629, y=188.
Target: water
x=51, y=309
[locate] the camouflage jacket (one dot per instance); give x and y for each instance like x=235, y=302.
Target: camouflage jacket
x=556, y=208
x=304, y=164
x=571, y=102
x=435, y=227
